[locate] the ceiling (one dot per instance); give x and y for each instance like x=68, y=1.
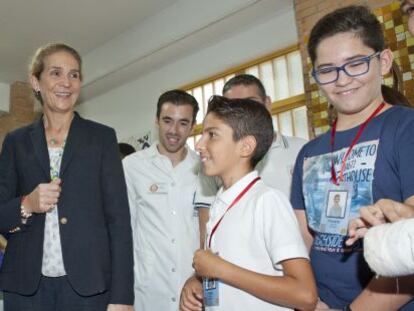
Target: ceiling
x=120, y=40
x=84, y=24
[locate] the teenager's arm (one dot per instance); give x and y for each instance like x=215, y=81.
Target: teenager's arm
x=295, y=289
x=203, y=215
x=204, y=196
x=304, y=229
x=383, y=294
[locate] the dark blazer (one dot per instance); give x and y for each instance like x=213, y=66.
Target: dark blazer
x=93, y=211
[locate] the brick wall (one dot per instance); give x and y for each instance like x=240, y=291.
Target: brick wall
x=21, y=109
x=308, y=12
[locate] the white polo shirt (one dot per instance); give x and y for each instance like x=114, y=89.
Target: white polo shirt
x=257, y=234
x=164, y=223
x=275, y=168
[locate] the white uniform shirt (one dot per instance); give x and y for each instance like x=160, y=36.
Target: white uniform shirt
x=164, y=223
x=257, y=234
x=276, y=167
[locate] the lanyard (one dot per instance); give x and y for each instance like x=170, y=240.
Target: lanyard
x=237, y=199
x=354, y=141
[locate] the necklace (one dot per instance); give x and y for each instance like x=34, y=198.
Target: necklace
x=53, y=141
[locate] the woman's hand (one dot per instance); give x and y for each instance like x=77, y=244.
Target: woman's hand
x=382, y=211
x=43, y=198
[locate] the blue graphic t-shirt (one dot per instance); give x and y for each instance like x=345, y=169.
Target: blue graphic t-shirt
x=379, y=166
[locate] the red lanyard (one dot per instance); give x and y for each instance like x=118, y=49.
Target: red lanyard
x=237, y=199
x=354, y=141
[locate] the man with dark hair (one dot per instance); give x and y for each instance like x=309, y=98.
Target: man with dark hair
x=161, y=182
x=276, y=167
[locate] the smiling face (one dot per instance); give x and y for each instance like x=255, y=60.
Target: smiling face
x=219, y=152
x=59, y=82
x=353, y=97
x=175, y=124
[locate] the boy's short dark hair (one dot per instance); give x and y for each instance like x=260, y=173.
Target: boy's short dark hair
x=245, y=79
x=357, y=19
x=178, y=97
x=246, y=117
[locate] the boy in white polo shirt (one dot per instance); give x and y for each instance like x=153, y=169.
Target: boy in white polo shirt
x=255, y=258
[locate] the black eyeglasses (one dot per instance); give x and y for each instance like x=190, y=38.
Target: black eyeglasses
x=353, y=68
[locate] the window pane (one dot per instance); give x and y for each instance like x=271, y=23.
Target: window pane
x=275, y=123
x=285, y=122
x=218, y=86
x=281, y=79
x=190, y=142
x=197, y=138
x=227, y=78
x=208, y=92
x=198, y=94
x=267, y=77
x=254, y=71
x=295, y=74
x=300, y=122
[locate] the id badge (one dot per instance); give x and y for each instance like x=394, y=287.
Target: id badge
x=337, y=210
x=211, y=292
x=210, y=286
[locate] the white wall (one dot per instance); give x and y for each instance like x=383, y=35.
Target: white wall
x=130, y=109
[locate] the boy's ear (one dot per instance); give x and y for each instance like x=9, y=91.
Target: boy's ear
x=386, y=59
x=248, y=146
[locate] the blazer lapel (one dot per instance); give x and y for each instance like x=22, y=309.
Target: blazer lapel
x=40, y=146
x=72, y=142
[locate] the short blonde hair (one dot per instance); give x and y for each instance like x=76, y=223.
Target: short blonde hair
x=37, y=64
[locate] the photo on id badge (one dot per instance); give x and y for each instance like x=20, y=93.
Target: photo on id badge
x=335, y=217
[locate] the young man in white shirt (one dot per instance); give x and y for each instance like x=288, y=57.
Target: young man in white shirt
x=161, y=182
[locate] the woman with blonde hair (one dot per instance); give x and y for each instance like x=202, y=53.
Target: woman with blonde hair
x=63, y=202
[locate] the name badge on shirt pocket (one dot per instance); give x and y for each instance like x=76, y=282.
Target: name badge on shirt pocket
x=211, y=292
x=157, y=188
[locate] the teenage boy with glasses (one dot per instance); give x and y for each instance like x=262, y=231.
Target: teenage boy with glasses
x=366, y=156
